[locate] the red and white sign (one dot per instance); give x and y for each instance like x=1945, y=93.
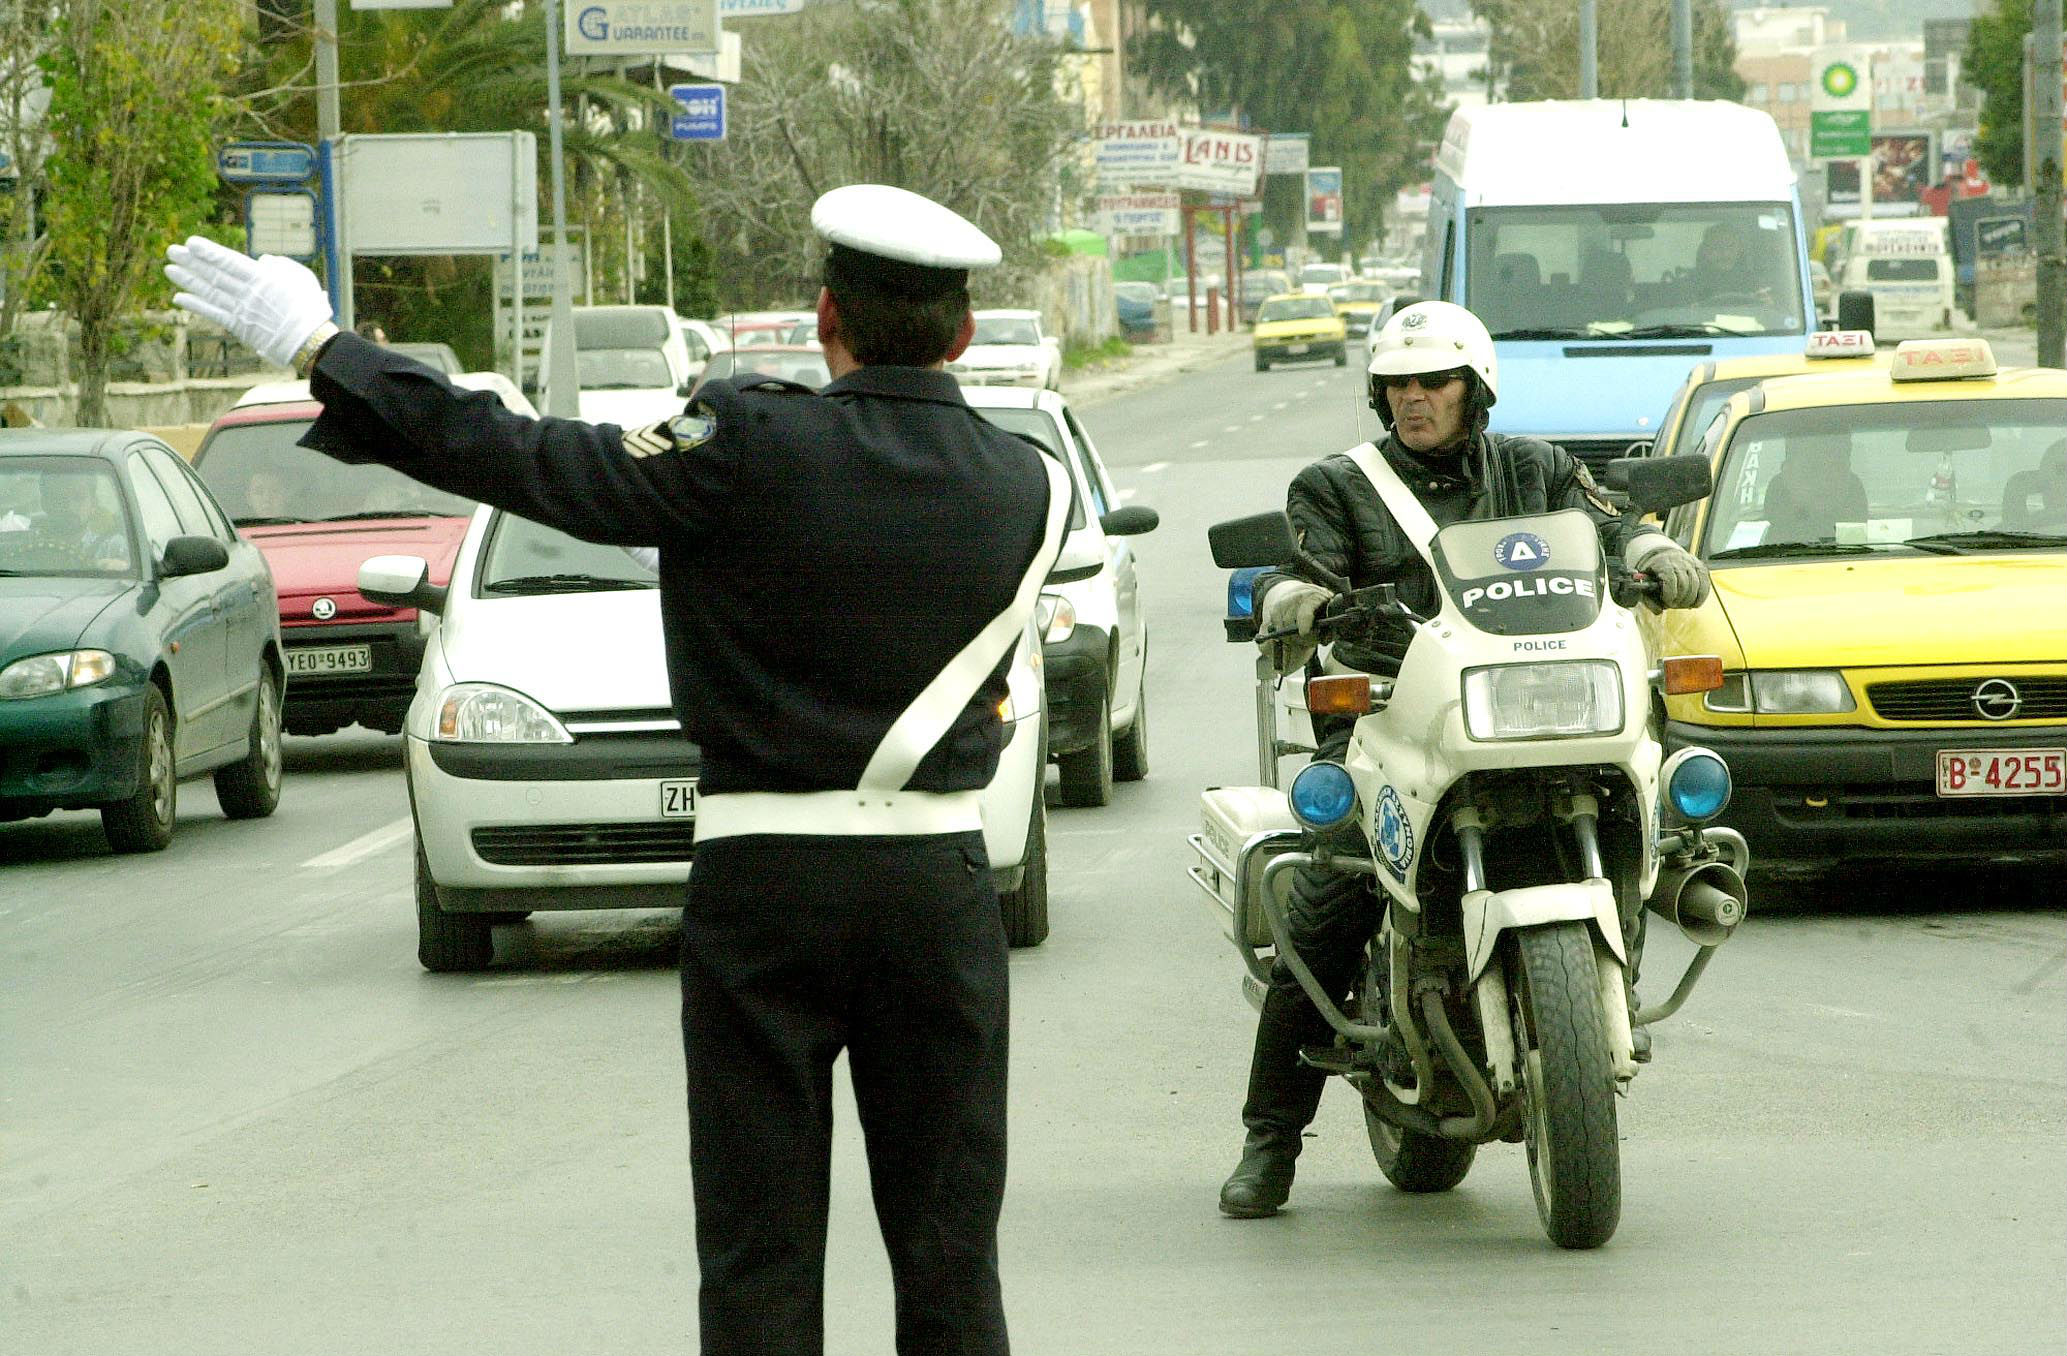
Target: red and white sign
x=1220, y=162
x=1999, y=772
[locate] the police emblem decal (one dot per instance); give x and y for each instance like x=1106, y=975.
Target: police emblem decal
x=1395, y=834
x=695, y=428
x=323, y=609
x=1521, y=551
x=1413, y=320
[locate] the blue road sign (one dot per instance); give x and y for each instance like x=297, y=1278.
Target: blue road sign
x=701, y=115
x=266, y=162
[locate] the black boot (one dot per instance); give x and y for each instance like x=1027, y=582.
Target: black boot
x=1283, y=1096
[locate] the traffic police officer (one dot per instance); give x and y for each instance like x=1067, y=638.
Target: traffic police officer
x=842, y=578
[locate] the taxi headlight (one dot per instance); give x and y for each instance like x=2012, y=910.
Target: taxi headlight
x=1056, y=617
x=1800, y=692
x=481, y=713
x=40, y=675
x=1543, y=701
x=1322, y=796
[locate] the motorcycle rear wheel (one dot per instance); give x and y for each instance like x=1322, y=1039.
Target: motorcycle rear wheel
x=1416, y=1162
x=1574, y=1161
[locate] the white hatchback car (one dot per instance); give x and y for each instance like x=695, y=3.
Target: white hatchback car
x=1094, y=636
x=1010, y=349
x=540, y=778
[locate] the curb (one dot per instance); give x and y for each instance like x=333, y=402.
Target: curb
x=1148, y=365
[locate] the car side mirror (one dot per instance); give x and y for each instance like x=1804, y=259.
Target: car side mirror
x=401, y=581
x=1131, y=521
x=1655, y=484
x=193, y=555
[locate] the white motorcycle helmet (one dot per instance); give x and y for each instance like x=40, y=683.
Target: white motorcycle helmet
x=1435, y=336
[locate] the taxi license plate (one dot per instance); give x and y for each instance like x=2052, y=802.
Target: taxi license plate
x=331, y=659
x=678, y=800
x=1295, y=348
x=2002, y=772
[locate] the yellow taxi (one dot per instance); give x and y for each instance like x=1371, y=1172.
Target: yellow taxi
x=1292, y=325
x=1889, y=554
x=1709, y=384
x=1357, y=303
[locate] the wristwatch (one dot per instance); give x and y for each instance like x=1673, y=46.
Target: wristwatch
x=312, y=348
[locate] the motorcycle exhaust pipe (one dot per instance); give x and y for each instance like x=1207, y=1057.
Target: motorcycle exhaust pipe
x=1706, y=901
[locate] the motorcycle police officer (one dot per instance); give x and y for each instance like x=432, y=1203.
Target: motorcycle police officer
x=1433, y=380
x=843, y=576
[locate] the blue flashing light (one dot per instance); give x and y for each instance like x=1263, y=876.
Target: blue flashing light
x=1700, y=787
x=1323, y=796
x=1241, y=590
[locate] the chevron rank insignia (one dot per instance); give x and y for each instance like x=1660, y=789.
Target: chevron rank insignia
x=678, y=434
x=649, y=441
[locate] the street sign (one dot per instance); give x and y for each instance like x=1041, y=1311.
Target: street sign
x=266, y=162
x=754, y=9
x=1144, y=213
x=437, y=192
x=700, y=115
x=1840, y=133
x=1126, y=154
x=280, y=221
x=1220, y=162
x=640, y=27
x=1287, y=153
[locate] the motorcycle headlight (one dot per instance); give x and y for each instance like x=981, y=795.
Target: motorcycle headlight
x=1322, y=796
x=42, y=674
x=1800, y=692
x=1543, y=701
x=481, y=713
x=1056, y=616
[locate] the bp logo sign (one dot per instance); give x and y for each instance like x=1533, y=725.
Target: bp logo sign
x=1839, y=80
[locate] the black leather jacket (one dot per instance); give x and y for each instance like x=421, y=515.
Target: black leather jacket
x=1341, y=522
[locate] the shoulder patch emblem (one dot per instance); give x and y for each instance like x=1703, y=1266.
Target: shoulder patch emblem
x=1591, y=489
x=693, y=429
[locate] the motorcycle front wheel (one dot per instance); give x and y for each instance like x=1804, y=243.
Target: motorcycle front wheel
x=1574, y=1161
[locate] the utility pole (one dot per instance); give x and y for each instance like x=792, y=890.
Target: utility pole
x=1682, y=49
x=1589, y=51
x=327, y=129
x=2046, y=126
x=561, y=394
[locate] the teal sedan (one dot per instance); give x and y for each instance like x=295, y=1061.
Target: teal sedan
x=139, y=638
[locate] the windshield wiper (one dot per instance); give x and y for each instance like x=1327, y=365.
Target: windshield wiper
x=564, y=583
x=1690, y=330
x=390, y=513
x=1545, y=332
x=265, y=520
x=1797, y=548
x=1986, y=539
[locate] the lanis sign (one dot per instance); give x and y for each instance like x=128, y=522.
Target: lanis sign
x=1220, y=162
x=1167, y=155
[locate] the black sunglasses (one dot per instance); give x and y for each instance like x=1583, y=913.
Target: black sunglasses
x=1430, y=381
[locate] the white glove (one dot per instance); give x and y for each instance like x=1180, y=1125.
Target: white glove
x=1682, y=580
x=271, y=303
x=1288, y=604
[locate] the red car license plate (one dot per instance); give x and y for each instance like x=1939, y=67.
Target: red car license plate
x=2002, y=772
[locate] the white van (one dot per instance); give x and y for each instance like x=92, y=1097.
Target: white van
x=1906, y=263
x=631, y=364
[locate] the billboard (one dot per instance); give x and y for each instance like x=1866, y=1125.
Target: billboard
x=438, y=192
x=1287, y=153
x=1903, y=165
x=1220, y=162
x=1124, y=154
x=1324, y=200
x=640, y=27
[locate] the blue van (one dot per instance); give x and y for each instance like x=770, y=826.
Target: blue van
x=1609, y=246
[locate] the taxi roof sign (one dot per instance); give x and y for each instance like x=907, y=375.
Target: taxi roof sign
x=1942, y=359
x=1840, y=344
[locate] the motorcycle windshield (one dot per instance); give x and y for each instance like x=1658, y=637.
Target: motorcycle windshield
x=1531, y=576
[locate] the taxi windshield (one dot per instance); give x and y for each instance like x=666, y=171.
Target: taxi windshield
x=260, y=474
x=1641, y=270
x=1295, y=308
x=1523, y=576
x=1942, y=476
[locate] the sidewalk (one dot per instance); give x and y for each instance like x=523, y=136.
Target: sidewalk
x=1152, y=363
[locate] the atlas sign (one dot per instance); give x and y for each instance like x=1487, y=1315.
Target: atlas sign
x=640, y=27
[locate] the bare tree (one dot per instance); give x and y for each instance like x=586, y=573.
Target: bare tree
x=25, y=36
x=937, y=96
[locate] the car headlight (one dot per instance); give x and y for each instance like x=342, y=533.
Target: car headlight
x=481, y=713
x=1800, y=692
x=1734, y=695
x=42, y=674
x=1543, y=701
x=1056, y=617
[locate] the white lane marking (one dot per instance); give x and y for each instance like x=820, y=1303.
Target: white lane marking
x=1254, y=418
x=1200, y=443
x=1281, y=404
x=1232, y=428
x=365, y=845
x=1156, y=466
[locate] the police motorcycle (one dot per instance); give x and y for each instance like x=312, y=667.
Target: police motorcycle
x=1508, y=796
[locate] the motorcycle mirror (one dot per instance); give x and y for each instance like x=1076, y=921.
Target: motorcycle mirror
x=1655, y=484
x=1259, y=539
x=1855, y=310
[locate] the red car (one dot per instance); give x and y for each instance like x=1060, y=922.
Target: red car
x=315, y=520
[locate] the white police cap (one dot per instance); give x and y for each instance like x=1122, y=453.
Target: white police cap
x=892, y=223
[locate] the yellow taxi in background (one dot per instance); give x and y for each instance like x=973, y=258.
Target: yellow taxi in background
x=1708, y=385
x=1293, y=325
x=1889, y=553
x=1357, y=303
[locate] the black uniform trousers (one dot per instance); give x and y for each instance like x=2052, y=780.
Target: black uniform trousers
x=1330, y=917
x=892, y=948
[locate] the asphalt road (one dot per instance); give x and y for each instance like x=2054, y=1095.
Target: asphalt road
x=238, y=1117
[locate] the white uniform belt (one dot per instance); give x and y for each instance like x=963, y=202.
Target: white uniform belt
x=838, y=813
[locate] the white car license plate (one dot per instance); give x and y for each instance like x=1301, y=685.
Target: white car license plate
x=1295, y=348
x=2002, y=772
x=678, y=800
x=331, y=659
